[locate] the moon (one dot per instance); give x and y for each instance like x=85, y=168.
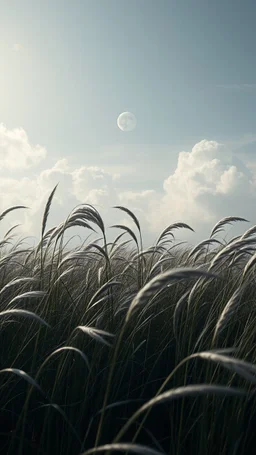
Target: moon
x=126, y=121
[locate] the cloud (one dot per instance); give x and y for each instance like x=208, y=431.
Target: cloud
x=93, y=185
x=16, y=152
x=208, y=183
x=81, y=185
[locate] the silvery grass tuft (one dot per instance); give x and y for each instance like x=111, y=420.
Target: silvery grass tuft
x=109, y=347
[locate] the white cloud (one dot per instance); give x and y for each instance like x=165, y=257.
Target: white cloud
x=93, y=185
x=207, y=184
x=205, y=187
x=16, y=152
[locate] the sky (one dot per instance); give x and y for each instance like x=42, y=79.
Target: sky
x=185, y=68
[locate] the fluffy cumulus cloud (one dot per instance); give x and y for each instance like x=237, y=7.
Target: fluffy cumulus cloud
x=93, y=185
x=209, y=182
x=16, y=152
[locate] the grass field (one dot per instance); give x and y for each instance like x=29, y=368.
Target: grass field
x=112, y=348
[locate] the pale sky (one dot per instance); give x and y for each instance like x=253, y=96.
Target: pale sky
x=185, y=68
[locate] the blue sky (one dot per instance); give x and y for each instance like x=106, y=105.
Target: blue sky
x=185, y=68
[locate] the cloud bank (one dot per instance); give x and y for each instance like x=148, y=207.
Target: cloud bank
x=209, y=182
x=16, y=152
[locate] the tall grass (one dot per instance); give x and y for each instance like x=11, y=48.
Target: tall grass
x=112, y=348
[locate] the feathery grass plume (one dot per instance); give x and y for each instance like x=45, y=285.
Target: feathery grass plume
x=60, y=230
x=72, y=268
x=234, y=239
x=99, y=274
x=159, y=282
x=123, y=447
x=229, y=248
x=89, y=213
x=94, y=333
x=55, y=231
x=158, y=264
x=47, y=235
x=42, y=243
x=197, y=256
x=74, y=223
x=25, y=313
x=201, y=245
x=228, y=311
x=194, y=390
x=20, y=280
x=21, y=242
x=9, y=256
x=246, y=251
x=5, y=242
x=119, y=247
x=177, y=311
x=109, y=284
x=168, y=231
x=47, y=210
x=144, y=253
x=28, y=295
x=241, y=256
x=174, y=246
x=134, y=218
x=5, y=212
x=251, y=231
x=232, y=261
x=151, y=253
x=198, y=285
x=244, y=369
x=73, y=255
x=249, y=265
x=82, y=255
x=116, y=241
x=79, y=216
x=98, y=302
x=154, y=252
x=64, y=349
x=205, y=330
x=161, y=248
x=125, y=302
x=90, y=209
x=131, y=266
x=227, y=220
x=11, y=229
x=103, y=252
x=128, y=230
x=23, y=375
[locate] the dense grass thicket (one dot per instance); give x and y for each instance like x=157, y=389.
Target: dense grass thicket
x=113, y=348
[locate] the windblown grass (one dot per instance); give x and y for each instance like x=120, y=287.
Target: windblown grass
x=112, y=348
